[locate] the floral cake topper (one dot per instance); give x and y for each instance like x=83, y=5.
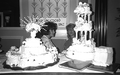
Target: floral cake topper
x=82, y=8
x=32, y=23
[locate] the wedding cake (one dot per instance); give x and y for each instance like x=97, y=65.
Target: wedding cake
x=32, y=52
x=83, y=48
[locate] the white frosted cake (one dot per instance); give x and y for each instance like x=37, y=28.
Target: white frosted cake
x=32, y=52
x=103, y=56
x=83, y=48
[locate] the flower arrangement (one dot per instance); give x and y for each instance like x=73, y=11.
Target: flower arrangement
x=32, y=24
x=82, y=8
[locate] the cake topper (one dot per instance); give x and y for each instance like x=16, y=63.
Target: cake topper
x=82, y=8
x=83, y=14
x=32, y=25
x=83, y=26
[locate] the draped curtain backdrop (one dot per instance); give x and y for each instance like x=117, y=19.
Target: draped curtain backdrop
x=100, y=25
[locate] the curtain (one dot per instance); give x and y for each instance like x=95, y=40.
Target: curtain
x=100, y=24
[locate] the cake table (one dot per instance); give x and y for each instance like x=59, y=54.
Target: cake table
x=52, y=70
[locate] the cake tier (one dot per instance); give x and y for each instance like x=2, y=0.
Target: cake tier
x=83, y=25
x=80, y=48
x=80, y=56
x=80, y=52
x=32, y=50
x=31, y=61
x=32, y=42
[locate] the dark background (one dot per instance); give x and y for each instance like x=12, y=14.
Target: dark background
x=10, y=8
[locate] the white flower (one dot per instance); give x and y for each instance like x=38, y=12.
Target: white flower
x=13, y=47
x=82, y=8
x=32, y=26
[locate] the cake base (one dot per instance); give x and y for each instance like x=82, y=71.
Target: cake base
x=77, y=67
x=30, y=67
x=79, y=64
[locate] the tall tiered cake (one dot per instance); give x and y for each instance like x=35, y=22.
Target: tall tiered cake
x=83, y=47
x=32, y=52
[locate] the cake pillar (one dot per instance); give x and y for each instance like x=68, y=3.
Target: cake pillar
x=88, y=18
x=76, y=34
x=81, y=34
x=85, y=17
x=85, y=35
x=33, y=34
x=90, y=35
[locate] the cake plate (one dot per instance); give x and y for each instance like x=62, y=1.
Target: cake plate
x=30, y=67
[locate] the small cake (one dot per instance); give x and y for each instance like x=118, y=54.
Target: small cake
x=32, y=52
x=103, y=56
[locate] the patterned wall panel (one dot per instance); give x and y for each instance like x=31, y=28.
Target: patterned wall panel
x=49, y=8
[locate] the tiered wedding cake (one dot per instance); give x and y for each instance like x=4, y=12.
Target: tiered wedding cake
x=83, y=47
x=32, y=52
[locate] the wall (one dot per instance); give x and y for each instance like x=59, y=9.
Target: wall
x=15, y=35
x=12, y=37
x=113, y=24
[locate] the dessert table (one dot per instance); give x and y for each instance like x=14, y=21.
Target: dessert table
x=51, y=70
